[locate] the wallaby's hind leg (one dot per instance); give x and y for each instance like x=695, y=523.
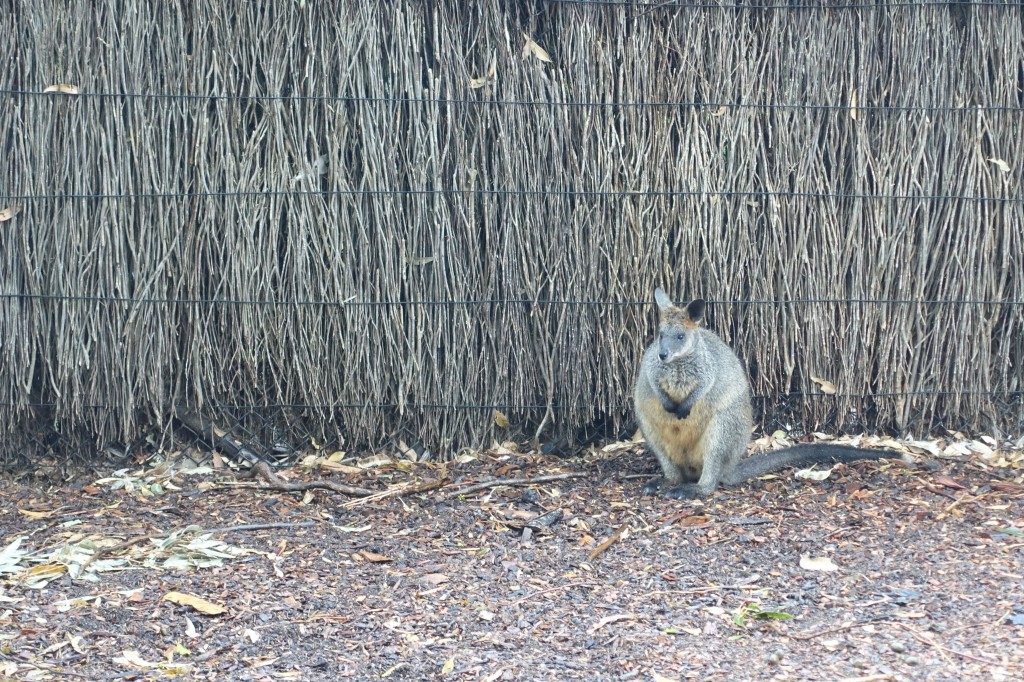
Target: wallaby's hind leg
x=722, y=443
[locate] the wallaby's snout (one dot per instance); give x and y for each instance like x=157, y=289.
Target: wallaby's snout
x=674, y=342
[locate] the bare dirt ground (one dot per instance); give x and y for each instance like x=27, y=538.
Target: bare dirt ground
x=926, y=579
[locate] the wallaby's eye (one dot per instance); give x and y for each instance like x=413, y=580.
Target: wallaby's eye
x=680, y=336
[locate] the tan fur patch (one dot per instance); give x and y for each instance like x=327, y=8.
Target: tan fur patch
x=676, y=315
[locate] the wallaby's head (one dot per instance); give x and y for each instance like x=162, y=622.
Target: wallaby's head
x=677, y=333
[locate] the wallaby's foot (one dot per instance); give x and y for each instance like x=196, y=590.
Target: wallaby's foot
x=686, y=491
x=654, y=485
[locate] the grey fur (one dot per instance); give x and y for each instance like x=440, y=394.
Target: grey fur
x=692, y=400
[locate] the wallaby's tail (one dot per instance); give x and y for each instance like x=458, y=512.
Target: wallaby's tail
x=804, y=455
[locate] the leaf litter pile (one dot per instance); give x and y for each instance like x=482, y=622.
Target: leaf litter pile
x=506, y=565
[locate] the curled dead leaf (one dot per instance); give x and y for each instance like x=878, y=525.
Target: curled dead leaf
x=826, y=386
x=36, y=515
x=488, y=78
x=500, y=419
x=198, y=603
x=948, y=482
x=532, y=48
x=8, y=213
x=813, y=474
x=62, y=88
x=608, y=620
x=133, y=659
x=372, y=557
x=1001, y=165
x=434, y=579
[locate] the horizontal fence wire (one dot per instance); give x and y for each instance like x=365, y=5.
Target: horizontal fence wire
x=525, y=193
x=1012, y=395
x=823, y=6
x=492, y=302
x=716, y=105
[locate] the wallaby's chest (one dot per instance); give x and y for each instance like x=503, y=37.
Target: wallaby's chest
x=680, y=439
x=677, y=385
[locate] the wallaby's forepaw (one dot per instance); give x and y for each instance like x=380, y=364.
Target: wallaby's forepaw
x=686, y=491
x=654, y=485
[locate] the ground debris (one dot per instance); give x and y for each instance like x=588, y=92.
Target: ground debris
x=906, y=574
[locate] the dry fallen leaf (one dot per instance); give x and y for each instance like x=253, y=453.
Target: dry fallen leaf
x=372, y=461
x=198, y=603
x=41, y=574
x=448, y=666
x=373, y=557
x=1001, y=165
x=948, y=482
x=720, y=110
x=8, y=213
x=827, y=386
x=500, y=419
x=853, y=104
x=607, y=620
x=341, y=468
x=532, y=48
x=817, y=563
x=492, y=71
x=434, y=578
x=134, y=659
x=923, y=447
x=813, y=474
x=36, y=515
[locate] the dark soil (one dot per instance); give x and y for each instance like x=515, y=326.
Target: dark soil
x=929, y=585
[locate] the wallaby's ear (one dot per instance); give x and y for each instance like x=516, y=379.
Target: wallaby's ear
x=695, y=309
x=662, y=299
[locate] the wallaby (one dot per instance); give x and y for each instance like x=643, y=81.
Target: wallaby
x=692, y=400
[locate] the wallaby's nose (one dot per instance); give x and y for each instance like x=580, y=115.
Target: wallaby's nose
x=663, y=355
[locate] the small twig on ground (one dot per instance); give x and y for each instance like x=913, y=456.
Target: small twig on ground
x=711, y=589
x=260, y=526
x=943, y=650
x=606, y=543
x=803, y=637
x=105, y=551
x=549, y=590
x=396, y=492
x=956, y=503
x=207, y=655
x=477, y=487
x=274, y=482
